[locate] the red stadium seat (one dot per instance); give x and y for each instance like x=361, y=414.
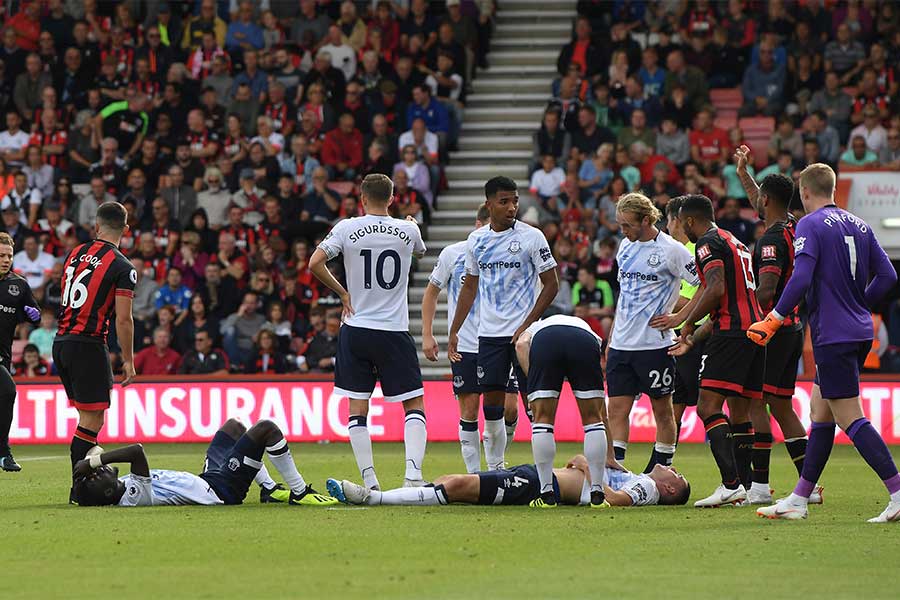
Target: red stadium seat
x=342, y=188
x=18, y=347
x=726, y=99
x=759, y=147
x=757, y=126
x=726, y=121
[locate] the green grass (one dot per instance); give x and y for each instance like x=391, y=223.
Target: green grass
x=51, y=550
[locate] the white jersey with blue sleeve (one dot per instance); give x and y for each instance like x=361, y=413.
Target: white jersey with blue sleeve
x=378, y=253
x=650, y=276
x=167, y=488
x=450, y=273
x=567, y=320
x=508, y=265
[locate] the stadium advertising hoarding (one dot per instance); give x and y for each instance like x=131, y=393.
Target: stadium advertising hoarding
x=308, y=411
x=874, y=196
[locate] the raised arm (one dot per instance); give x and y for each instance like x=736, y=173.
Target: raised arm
x=741, y=157
x=133, y=455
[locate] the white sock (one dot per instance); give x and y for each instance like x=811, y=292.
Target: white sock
x=895, y=497
x=362, y=450
x=762, y=488
x=543, y=446
x=420, y=496
x=595, y=452
x=263, y=479
x=470, y=445
x=797, y=500
x=510, y=433
x=664, y=448
x=494, y=443
x=280, y=455
x=415, y=437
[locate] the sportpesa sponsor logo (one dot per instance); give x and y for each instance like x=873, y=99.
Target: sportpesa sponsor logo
x=499, y=264
x=637, y=275
x=7, y=309
x=382, y=229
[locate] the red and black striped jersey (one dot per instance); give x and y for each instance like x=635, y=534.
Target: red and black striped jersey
x=281, y=114
x=737, y=308
x=94, y=273
x=57, y=137
x=774, y=253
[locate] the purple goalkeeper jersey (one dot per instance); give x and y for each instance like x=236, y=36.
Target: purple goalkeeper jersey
x=837, y=256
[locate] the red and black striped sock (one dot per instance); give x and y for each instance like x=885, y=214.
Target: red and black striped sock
x=762, y=452
x=83, y=440
x=721, y=442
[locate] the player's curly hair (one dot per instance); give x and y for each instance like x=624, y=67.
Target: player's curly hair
x=6, y=240
x=639, y=204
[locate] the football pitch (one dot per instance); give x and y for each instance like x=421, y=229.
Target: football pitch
x=49, y=549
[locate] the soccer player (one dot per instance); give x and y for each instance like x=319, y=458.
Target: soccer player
x=374, y=342
x=520, y=485
x=549, y=351
x=686, y=389
x=97, y=281
x=731, y=369
x=773, y=263
x=233, y=462
x=841, y=271
x=509, y=264
x=17, y=304
x=652, y=266
x=450, y=273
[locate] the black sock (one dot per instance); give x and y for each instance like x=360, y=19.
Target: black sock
x=619, y=451
x=659, y=458
x=762, y=452
x=796, y=447
x=743, y=451
x=677, y=432
x=721, y=442
x=83, y=440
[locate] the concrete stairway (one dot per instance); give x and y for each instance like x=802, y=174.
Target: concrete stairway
x=500, y=117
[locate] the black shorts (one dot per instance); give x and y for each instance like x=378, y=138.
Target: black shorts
x=632, y=372
x=231, y=466
x=563, y=352
x=495, y=359
x=783, y=355
x=465, y=376
x=838, y=367
x=687, y=376
x=85, y=371
x=514, y=486
x=733, y=366
x=365, y=356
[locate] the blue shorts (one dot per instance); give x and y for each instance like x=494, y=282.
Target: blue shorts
x=495, y=359
x=514, y=486
x=231, y=466
x=365, y=356
x=632, y=372
x=465, y=376
x=561, y=352
x=838, y=367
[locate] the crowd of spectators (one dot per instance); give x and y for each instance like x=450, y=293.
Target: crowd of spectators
x=235, y=133
x=631, y=110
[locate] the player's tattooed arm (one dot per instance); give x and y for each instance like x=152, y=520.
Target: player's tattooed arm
x=133, y=455
x=741, y=158
x=765, y=290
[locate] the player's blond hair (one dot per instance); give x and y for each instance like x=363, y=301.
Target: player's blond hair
x=6, y=240
x=639, y=204
x=819, y=179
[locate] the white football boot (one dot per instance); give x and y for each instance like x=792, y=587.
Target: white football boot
x=722, y=497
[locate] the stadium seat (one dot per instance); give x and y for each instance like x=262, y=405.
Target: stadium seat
x=759, y=147
x=341, y=188
x=726, y=121
x=726, y=99
x=18, y=347
x=757, y=126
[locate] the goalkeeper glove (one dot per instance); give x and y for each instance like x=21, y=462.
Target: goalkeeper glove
x=762, y=332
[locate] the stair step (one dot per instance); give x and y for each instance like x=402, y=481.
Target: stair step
x=438, y=244
x=501, y=126
x=543, y=14
x=561, y=27
x=528, y=5
x=489, y=155
x=456, y=233
x=545, y=72
x=554, y=41
x=530, y=85
x=509, y=142
x=527, y=99
x=485, y=171
x=463, y=202
x=500, y=113
x=523, y=57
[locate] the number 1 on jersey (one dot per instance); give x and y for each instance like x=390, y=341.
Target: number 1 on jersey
x=851, y=248
x=75, y=293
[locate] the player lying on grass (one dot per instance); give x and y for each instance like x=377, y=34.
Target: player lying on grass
x=520, y=485
x=233, y=462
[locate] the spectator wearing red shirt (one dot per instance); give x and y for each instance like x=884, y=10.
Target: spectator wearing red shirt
x=204, y=144
x=385, y=23
x=709, y=144
x=27, y=26
x=342, y=152
x=31, y=364
x=52, y=139
x=160, y=358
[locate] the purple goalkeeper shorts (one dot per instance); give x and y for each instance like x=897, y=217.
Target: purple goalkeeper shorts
x=838, y=367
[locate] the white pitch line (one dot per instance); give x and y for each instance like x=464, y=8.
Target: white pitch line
x=62, y=456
